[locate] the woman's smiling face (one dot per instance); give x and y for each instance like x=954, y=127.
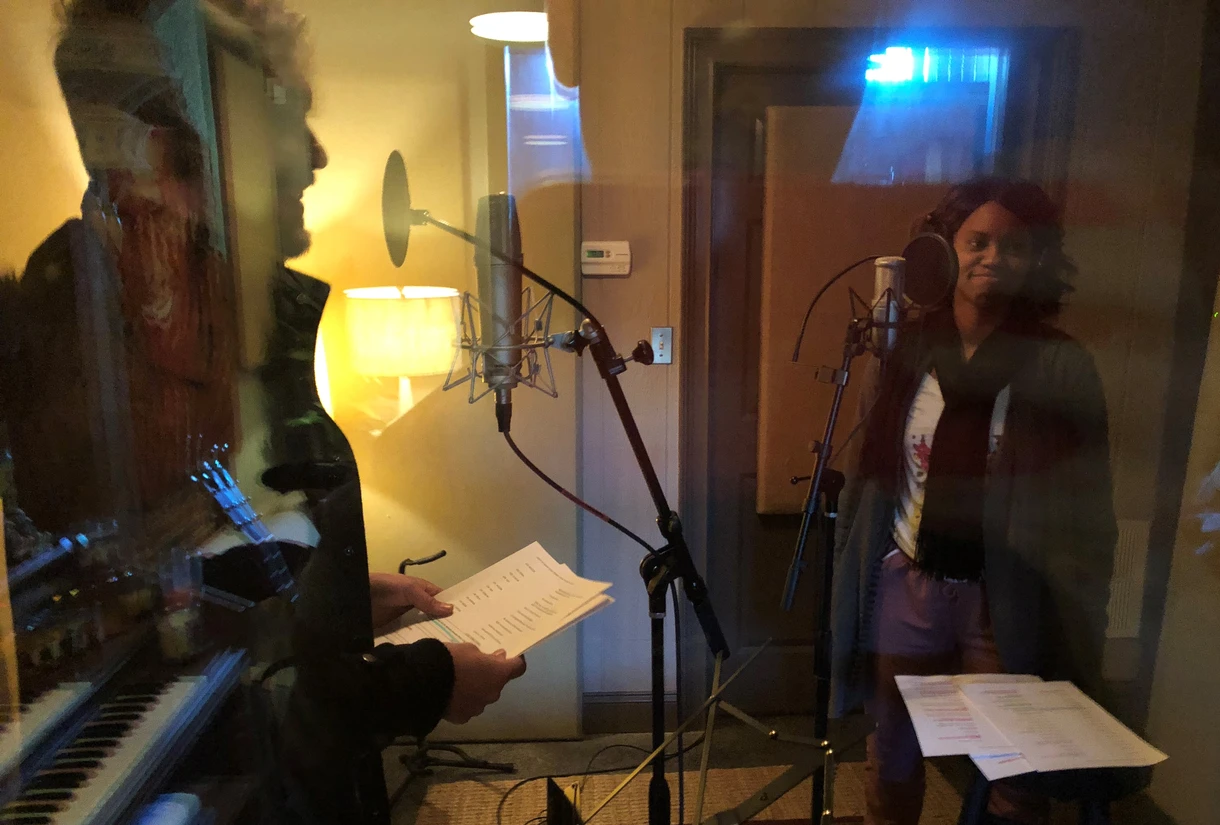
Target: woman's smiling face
x=994, y=254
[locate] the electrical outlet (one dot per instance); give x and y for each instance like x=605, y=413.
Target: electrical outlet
x=663, y=345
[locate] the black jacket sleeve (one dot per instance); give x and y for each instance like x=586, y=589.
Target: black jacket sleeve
x=409, y=688
x=354, y=700
x=343, y=710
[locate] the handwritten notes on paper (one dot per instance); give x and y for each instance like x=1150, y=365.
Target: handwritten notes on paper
x=515, y=604
x=1016, y=724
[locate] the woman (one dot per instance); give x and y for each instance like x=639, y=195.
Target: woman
x=977, y=533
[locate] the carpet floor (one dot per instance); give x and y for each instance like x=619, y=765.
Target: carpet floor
x=475, y=801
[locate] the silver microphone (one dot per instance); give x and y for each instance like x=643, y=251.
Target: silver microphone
x=499, y=287
x=888, y=278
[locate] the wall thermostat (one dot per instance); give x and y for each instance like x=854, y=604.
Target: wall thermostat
x=605, y=258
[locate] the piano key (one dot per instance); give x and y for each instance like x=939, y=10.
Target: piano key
x=35, y=807
x=82, y=753
x=104, y=730
x=36, y=719
x=106, y=789
x=58, y=782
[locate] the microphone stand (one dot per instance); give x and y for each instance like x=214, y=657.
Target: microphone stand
x=819, y=515
x=660, y=568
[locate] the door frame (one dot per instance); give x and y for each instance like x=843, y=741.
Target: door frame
x=1041, y=119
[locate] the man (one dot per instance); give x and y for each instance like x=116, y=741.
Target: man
x=145, y=261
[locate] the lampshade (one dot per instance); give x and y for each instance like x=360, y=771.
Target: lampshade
x=407, y=332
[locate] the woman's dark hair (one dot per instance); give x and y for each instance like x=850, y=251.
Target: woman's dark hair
x=1041, y=297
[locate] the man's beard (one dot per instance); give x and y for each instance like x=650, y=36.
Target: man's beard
x=295, y=240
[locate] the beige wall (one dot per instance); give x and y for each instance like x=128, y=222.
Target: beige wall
x=1126, y=201
x=411, y=77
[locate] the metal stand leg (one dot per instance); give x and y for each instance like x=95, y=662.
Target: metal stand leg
x=974, y=806
x=708, y=732
x=658, y=786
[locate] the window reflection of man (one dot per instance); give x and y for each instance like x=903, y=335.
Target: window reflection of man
x=144, y=253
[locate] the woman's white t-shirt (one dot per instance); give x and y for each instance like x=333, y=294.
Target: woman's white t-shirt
x=917, y=450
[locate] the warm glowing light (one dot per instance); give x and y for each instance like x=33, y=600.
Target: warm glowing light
x=321, y=377
x=511, y=26
x=408, y=332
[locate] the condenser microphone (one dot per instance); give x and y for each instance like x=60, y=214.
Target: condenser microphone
x=499, y=286
x=888, y=282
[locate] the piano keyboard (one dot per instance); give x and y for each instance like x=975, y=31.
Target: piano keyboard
x=24, y=727
x=126, y=742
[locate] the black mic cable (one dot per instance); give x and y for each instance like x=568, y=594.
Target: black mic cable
x=796, y=352
x=572, y=497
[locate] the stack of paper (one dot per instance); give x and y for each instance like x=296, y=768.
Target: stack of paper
x=1012, y=724
x=516, y=603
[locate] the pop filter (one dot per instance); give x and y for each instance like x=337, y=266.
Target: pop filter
x=931, y=269
x=395, y=208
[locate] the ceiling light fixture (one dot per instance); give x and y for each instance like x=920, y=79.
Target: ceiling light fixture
x=511, y=26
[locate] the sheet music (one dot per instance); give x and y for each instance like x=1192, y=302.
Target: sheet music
x=946, y=723
x=513, y=605
x=1014, y=724
x=1056, y=727
x=999, y=763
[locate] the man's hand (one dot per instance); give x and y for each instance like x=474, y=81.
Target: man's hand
x=478, y=679
x=392, y=595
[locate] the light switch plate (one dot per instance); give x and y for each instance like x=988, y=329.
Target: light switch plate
x=663, y=345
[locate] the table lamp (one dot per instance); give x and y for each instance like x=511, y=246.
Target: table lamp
x=402, y=332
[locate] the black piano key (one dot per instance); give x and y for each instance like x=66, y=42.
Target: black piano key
x=109, y=730
x=63, y=776
x=58, y=782
x=58, y=770
x=82, y=753
x=97, y=742
x=82, y=764
x=47, y=795
x=26, y=819
x=33, y=807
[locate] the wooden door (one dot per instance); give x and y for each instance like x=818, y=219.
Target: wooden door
x=767, y=225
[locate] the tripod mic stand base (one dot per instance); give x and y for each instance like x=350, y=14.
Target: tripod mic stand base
x=421, y=761
x=810, y=765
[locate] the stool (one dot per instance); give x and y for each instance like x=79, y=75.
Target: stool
x=1093, y=789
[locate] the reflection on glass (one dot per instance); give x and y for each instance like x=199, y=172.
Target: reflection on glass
x=543, y=121
x=929, y=115
x=168, y=474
